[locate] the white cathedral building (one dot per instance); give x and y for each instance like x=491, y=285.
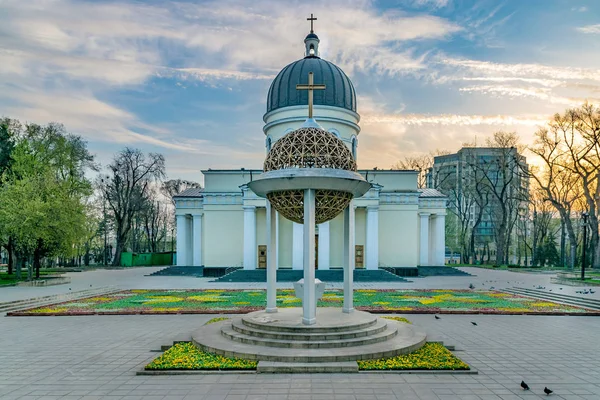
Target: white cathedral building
x=396, y=225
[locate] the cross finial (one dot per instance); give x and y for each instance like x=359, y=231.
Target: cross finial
x=310, y=87
x=311, y=19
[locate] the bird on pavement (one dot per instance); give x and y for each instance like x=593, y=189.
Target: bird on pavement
x=474, y=323
x=524, y=385
x=547, y=391
x=436, y=317
x=471, y=286
x=560, y=288
x=592, y=291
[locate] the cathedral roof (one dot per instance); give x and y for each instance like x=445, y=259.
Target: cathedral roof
x=338, y=92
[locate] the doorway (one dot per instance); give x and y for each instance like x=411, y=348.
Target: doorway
x=262, y=256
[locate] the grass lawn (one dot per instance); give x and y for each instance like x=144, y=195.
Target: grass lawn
x=219, y=301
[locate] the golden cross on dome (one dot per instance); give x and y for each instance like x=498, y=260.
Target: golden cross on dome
x=310, y=87
x=311, y=19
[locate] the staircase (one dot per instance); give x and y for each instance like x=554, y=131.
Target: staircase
x=332, y=275
x=592, y=304
x=281, y=343
x=11, y=306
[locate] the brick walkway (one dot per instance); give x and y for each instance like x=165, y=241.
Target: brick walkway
x=97, y=357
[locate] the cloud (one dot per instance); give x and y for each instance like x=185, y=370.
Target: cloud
x=589, y=29
x=454, y=119
x=579, y=9
x=523, y=70
x=431, y=3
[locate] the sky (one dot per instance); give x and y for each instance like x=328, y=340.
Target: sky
x=189, y=79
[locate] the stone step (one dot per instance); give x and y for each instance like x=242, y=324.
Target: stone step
x=238, y=326
x=557, y=298
x=287, y=368
x=408, y=339
x=34, y=302
x=273, y=324
x=383, y=336
x=589, y=300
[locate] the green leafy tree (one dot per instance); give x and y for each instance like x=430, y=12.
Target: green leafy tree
x=42, y=200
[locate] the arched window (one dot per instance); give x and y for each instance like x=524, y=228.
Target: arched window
x=268, y=144
x=354, y=144
x=335, y=132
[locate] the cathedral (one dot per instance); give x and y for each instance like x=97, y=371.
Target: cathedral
x=396, y=224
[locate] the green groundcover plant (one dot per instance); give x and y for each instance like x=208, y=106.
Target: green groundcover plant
x=217, y=301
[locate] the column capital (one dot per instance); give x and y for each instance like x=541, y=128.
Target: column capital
x=197, y=214
x=424, y=214
x=248, y=208
x=373, y=208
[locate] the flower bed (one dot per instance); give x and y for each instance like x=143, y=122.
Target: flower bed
x=221, y=301
x=186, y=356
x=432, y=356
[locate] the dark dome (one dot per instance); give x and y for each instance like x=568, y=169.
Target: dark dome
x=311, y=36
x=339, y=91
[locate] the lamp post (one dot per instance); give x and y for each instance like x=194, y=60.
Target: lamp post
x=584, y=215
x=104, y=255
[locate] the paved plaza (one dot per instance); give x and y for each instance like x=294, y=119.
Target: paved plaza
x=96, y=357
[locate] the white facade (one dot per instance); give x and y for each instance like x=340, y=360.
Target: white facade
x=395, y=224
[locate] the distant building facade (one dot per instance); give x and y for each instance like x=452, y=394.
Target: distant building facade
x=486, y=186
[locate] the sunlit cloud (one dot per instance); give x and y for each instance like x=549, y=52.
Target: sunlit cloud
x=590, y=29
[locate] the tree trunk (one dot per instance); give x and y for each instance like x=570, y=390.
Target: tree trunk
x=37, y=255
x=118, y=251
x=10, y=249
x=563, y=243
x=500, y=243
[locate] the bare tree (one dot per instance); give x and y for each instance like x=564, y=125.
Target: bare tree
x=421, y=164
x=577, y=140
x=560, y=186
x=173, y=187
x=502, y=182
x=126, y=189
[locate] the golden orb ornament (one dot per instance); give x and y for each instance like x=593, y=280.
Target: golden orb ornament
x=310, y=147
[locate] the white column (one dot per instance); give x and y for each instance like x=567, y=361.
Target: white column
x=349, y=242
x=277, y=239
x=424, y=239
x=309, y=304
x=439, y=250
x=197, y=243
x=324, y=246
x=372, y=250
x=297, y=246
x=182, y=240
x=271, y=259
x=249, y=237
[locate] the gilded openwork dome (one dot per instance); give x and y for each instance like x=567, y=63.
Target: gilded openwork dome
x=310, y=147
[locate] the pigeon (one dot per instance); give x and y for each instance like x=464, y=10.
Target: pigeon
x=471, y=286
x=69, y=288
x=524, y=385
x=550, y=290
x=586, y=292
x=547, y=391
x=474, y=323
x=592, y=291
x=560, y=288
x=492, y=288
x=436, y=317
